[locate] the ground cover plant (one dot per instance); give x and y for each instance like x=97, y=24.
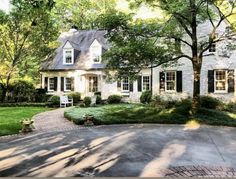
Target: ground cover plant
x=11, y=116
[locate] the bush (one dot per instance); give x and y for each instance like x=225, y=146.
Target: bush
x=54, y=101
x=146, y=97
x=114, y=99
x=231, y=107
x=210, y=102
x=75, y=96
x=156, y=101
x=40, y=95
x=183, y=107
x=98, y=93
x=22, y=91
x=87, y=101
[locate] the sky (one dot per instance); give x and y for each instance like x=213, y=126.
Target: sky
x=4, y=5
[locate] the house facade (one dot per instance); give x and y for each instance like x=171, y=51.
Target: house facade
x=77, y=67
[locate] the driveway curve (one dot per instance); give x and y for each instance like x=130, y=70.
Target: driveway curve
x=59, y=148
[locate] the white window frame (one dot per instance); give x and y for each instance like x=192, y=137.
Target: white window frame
x=226, y=81
x=143, y=82
x=171, y=91
x=96, y=50
x=122, y=87
x=64, y=56
x=65, y=78
x=49, y=84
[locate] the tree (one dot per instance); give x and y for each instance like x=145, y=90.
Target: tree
x=82, y=13
x=180, y=26
x=26, y=36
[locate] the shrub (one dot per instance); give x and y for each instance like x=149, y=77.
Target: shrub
x=146, y=97
x=87, y=101
x=114, y=99
x=156, y=101
x=98, y=93
x=183, y=107
x=23, y=91
x=75, y=96
x=210, y=102
x=54, y=101
x=40, y=95
x=98, y=99
x=231, y=107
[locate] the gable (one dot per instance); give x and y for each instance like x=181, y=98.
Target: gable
x=67, y=45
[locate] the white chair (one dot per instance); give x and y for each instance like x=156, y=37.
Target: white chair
x=93, y=100
x=64, y=100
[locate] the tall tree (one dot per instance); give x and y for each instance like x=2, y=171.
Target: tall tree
x=26, y=36
x=184, y=18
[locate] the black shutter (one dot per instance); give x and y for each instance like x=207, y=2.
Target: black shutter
x=139, y=83
x=230, y=81
x=62, y=83
x=72, y=84
x=210, y=81
x=119, y=85
x=46, y=83
x=55, y=83
x=162, y=81
x=179, y=81
x=150, y=81
x=131, y=86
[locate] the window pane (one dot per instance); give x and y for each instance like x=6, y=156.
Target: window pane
x=220, y=85
x=68, y=56
x=125, y=84
x=146, y=83
x=93, y=84
x=170, y=81
x=68, y=83
x=51, y=83
x=220, y=80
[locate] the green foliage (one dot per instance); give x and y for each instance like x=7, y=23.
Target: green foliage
x=114, y=99
x=231, y=107
x=23, y=91
x=87, y=101
x=210, y=102
x=23, y=104
x=75, y=96
x=146, y=97
x=54, y=101
x=98, y=99
x=40, y=95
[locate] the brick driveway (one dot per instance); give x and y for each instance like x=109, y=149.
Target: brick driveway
x=59, y=148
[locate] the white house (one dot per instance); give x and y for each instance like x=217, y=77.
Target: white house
x=77, y=67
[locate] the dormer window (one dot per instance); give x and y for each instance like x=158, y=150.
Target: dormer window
x=96, y=52
x=68, y=56
x=212, y=47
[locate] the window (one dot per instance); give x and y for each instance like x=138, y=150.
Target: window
x=68, y=84
x=96, y=51
x=146, y=83
x=93, y=84
x=68, y=56
x=51, y=84
x=170, y=81
x=220, y=81
x=125, y=84
x=212, y=47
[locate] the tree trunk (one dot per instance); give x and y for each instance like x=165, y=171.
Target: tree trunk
x=196, y=87
x=3, y=95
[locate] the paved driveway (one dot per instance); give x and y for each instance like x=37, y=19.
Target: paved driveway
x=118, y=150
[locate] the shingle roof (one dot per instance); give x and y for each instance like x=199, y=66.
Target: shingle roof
x=80, y=41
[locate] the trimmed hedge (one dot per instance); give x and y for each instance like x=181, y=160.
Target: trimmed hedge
x=23, y=104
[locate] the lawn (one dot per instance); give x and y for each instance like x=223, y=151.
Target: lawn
x=138, y=113
x=10, y=118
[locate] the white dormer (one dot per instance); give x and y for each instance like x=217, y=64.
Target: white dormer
x=68, y=54
x=96, y=51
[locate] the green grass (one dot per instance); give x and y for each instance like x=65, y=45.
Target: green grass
x=138, y=113
x=10, y=118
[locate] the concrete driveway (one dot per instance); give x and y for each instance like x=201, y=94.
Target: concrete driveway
x=121, y=150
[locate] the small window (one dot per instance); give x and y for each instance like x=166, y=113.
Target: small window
x=212, y=47
x=93, y=84
x=51, y=84
x=125, y=84
x=146, y=83
x=96, y=51
x=220, y=81
x=170, y=81
x=68, y=56
x=68, y=84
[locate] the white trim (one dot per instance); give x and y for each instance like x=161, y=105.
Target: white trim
x=171, y=91
x=65, y=84
x=122, y=90
x=226, y=81
x=50, y=90
x=149, y=82
x=64, y=56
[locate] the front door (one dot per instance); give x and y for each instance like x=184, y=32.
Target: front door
x=92, y=84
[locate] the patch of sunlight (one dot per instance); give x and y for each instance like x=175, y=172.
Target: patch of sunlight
x=7, y=152
x=170, y=153
x=62, y=155
x=10, y=162
x=167, y=111
x=99, y=141
x=192, y=125
x=54, y=140
x=232, y=115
